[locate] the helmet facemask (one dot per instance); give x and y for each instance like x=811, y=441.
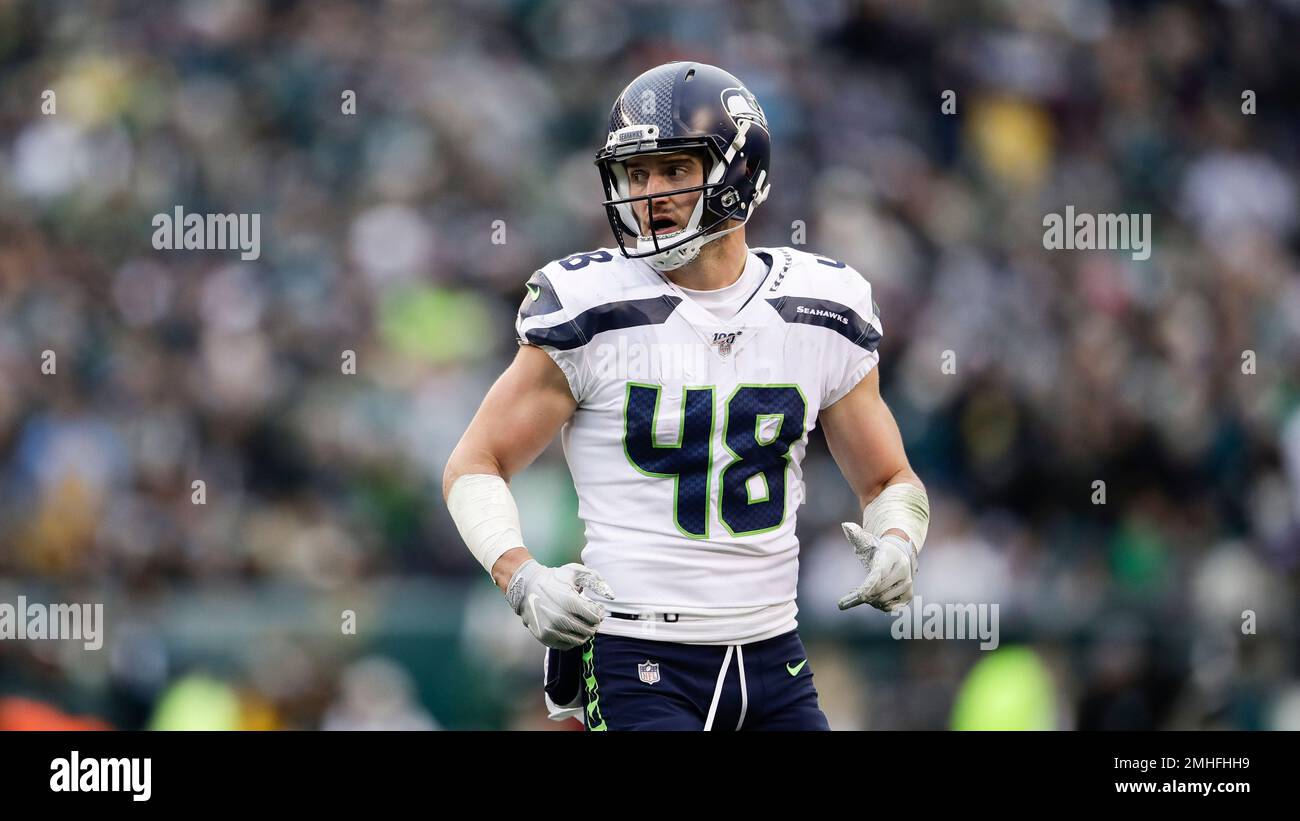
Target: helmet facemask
x=717, y=203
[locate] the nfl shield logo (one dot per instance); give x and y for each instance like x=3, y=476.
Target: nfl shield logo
x=649, y=672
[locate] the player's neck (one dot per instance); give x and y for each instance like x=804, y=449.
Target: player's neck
x=719, y=264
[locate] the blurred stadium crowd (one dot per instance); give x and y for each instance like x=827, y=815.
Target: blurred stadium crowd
x=404, y=233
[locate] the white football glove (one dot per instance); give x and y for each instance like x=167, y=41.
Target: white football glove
x=890, y=563
x=549, y=601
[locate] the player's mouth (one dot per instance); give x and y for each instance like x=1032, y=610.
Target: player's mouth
x=663, y=225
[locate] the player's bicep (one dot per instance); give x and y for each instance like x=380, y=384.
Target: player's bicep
x=525, y=408
x=863, y=437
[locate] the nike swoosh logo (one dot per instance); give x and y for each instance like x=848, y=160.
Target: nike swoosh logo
x=794, y=670
x=533, y=290
x=532, y=602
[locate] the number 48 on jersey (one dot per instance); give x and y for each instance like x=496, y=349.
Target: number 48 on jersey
x=760, y=423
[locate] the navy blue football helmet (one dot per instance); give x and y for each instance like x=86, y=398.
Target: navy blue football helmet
x=686, y=106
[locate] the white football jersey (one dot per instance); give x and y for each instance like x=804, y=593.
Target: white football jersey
x=686, y=445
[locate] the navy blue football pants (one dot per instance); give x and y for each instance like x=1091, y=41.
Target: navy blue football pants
x=639, y=684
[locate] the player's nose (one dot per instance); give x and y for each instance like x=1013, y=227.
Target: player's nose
x=654, y=183
x=658, y=183
x=662, y=206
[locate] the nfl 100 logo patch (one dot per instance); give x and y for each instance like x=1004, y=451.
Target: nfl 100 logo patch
x=648, y=672
x=725, y=340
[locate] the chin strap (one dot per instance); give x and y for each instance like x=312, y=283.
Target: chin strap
x=685, y=254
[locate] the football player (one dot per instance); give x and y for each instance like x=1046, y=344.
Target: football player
x=684, y=371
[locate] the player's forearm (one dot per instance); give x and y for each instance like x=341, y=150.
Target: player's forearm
x=481, y=505
x=465, y=461
x=504, y=567
x=899, y=507
x=902, y=475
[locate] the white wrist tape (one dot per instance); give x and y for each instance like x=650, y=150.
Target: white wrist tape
x=486, y=516
x=903, y=506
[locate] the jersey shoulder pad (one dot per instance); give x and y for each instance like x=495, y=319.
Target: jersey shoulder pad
x=590, y=278
x=553, y=288
x=819, y=290
x=569, y=300
x=815, y=275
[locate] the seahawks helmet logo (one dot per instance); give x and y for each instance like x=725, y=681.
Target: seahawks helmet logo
x=741, y=105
